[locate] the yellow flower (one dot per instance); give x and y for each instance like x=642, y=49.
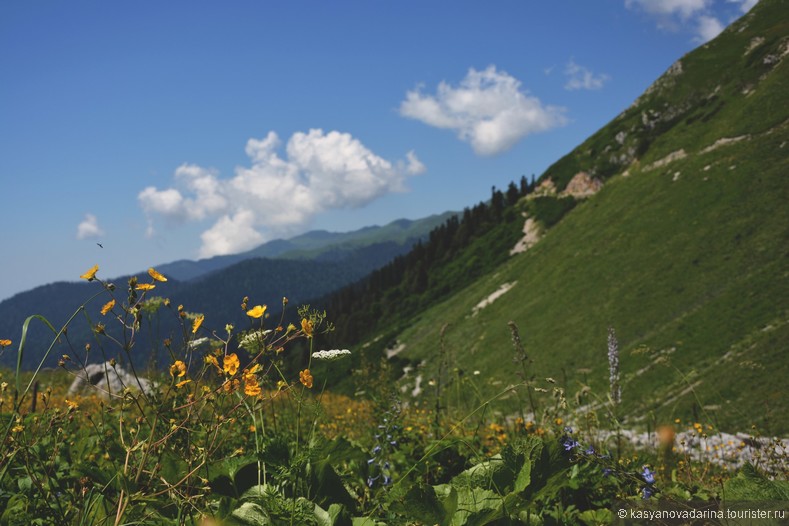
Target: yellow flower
x=251, y=388
x=211, y=359
x=559, y=421
x=107, y=307
x=145, y=286
x=306, y=378
x=17, y=428
x=230, y=385
x=155, y=275
x=5, y=343
x=73, y=406
x=257, y=311
x=178, y=369
x=182, y=383
x=90, y=275
x=197, y=323
x=231, y=363
x=306, y=326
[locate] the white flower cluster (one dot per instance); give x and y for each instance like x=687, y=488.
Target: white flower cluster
x=334, y=354
x=254, y=341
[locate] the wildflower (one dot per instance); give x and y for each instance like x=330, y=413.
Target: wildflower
x=333, y=354
x=613, y=366
x=107, y=307
x=182, y=383
x=5, y=343
x=306, y=326
x=230, y=385
x=90, y=275
x=559, y=421
x=291, y=327
x=648, y=476
x=155, y=275
x=145, y=286
x=17, y=428
x=607, y=472
x=254, y=341
x=197, y=323
x=570, y=444
x=211, y=359
x=198, y=342
x=646, y=492
x=589, y=450
x=306, y=378
x=178, y=369
x=230, y=364
x=72, y=406
x=257, y=311
x=251, y=387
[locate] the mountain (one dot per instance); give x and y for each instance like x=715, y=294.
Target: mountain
x=306, y=266
x=316, y=244
x=670, y=224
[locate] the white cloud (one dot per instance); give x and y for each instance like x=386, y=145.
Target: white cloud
x=488, y=110
x=579, y=77
x=89, y=227
x=747, y=5
x=231, y=234
x=276, y=195
x=683, y=8
x=709, y=27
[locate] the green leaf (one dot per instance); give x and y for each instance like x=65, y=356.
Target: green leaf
x=749, y=484
x=425, y=504
x=598, y=517
x=249, y=514
x=476, y=507
x=25, y=484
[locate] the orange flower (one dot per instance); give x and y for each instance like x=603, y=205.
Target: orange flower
x=231, y=364
x=257, y=311
x=107, y=307
x=306, y=378
x=306, y=326
x=73, y=406
x=211, y=359
x=251, y=387
x=5, y=343
x=145, y=286
x=90, y=275
x=230, y=385
x=178, y=369
x=155, y=275
x=197, y=323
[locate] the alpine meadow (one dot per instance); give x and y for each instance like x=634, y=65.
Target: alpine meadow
x=610, y=335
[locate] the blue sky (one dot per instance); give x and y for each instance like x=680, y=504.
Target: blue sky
x=169, y=130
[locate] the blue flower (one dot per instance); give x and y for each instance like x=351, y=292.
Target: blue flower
x=370, y=461
x=607, y=472
x=570, y=444
x=589, y=450
x=646, y=492
x=376, y=450
x=649, y=476
x=387, y=480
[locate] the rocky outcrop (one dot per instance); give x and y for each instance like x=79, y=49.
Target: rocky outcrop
x=108, y=380
x=582, y=185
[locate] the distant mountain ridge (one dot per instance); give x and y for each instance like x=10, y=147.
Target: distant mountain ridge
x=304, y=267
x=315, y=244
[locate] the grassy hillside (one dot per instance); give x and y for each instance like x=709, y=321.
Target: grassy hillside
x=685, y=251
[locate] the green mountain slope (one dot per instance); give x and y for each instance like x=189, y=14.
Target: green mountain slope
x=684, y=251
